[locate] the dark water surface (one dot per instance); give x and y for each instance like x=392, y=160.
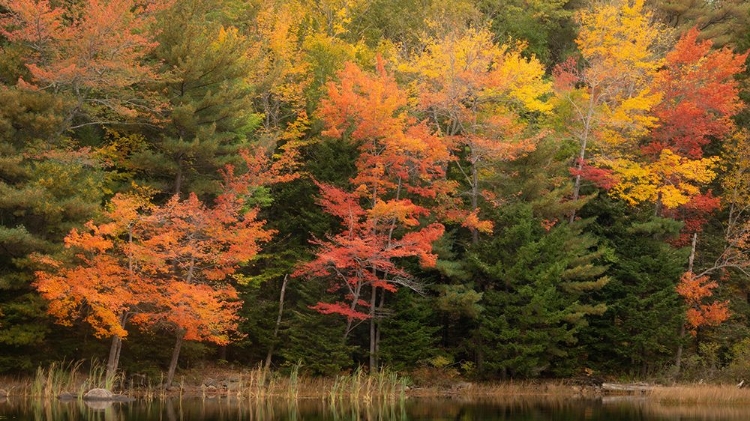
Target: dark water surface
x=526, y=409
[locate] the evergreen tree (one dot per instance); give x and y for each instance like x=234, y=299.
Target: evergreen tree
x=408, y=332
x=314, y=339
x=536, y=299
x=47, y=186
x=207, y=114
x=638, y=333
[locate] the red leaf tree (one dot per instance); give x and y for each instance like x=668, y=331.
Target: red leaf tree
x=400, y=163
x=700, y=98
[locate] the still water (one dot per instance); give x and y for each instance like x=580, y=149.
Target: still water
x=412, y=409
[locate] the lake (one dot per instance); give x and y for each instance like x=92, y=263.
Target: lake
x=458, y=409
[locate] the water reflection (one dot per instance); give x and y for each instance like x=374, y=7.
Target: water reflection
x=444, y=409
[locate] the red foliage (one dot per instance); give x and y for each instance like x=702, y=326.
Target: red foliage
x=700, y=97
x=400, y=162
x=601, y=177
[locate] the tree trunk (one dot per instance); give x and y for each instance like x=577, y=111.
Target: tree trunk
x=114, y=357
x=678, y=357
x=474, y=201
x=175, y=357
x=278, y=324
x=381, y=306
x=373, y=302
x=583, y=139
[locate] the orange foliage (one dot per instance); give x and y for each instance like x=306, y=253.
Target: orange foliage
x=92, y=49
x=695, y=289
x=400, y=164
x=158, y=265
x=104, y=285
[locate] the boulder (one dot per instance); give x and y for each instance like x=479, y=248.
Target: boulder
x=98, y=395
x=104, y=395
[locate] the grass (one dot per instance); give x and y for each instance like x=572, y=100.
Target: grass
x=57, y=378
x=257, y=384
x=360, y=386
x=700, y=394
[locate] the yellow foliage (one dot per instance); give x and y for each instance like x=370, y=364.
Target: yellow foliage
x=470, y=65
x=618, y=42
x=671, y=180
x=619, y=37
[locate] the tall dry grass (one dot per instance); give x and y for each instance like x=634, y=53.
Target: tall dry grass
x=699, y=394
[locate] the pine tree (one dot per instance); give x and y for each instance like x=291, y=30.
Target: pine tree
x=536, y=302
x=638, y=332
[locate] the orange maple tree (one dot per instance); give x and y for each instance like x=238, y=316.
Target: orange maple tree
x=165, y=266
x=695, y=290
x=104, y=284
x=191, y=250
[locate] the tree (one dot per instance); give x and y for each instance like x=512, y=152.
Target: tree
x=192, y=250
x=474, y=91
x=104, y=284
x=92, y=51
x=546, y=25
x=637, y=333
x=695, y=290
x=723, y=22
x=699, y=98
x=208, y=114
x=48, y=185
x=608, y=102
x=539, y=299
x=380, y=223
x=160, y=266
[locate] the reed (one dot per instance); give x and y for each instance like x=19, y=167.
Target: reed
x=699, y=394
x=56, y=379
x=360, y=386
x=97, y=378
x=259, y=382
x=293, y=389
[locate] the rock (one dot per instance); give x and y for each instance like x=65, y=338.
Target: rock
x=67, y=397
x=104, y=395
x=98, y=395
x=98, y=405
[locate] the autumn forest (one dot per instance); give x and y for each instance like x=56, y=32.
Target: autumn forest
x=508, y=189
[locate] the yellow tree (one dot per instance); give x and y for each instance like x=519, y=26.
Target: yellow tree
x=607, y=103
x=473, y=91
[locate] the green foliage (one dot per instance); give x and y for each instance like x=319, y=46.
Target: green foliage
x=408, y=333
x=313, y=339
x=208, y=111
x=538, y=297
x=638, y=333
x=47, y=186
x=545, y=24
x=739, y=364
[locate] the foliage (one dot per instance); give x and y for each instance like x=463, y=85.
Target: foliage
x=501, y=189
